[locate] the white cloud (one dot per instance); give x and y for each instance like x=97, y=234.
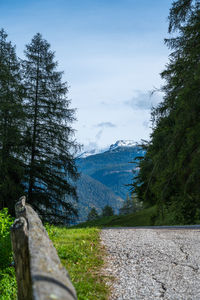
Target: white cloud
x=106, y=124
x=144, y=101
x=128, y=124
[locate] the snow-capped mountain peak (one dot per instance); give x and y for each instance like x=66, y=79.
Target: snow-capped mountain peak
x=92, y=152
x=120, y=143
x=123, y=143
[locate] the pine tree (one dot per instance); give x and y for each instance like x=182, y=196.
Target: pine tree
x=130, y=205
x=93, y=215
x=169, y=173
x=11, y=125
x=107, y=211
x=51, y=169
x=127, y=207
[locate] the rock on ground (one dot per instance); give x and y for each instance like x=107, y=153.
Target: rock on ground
x=153, y=263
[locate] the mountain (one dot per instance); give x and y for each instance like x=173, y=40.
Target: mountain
x=105, y=176
x=92, y=152
x=113, y=168
x=92, y=193
x=123, y=143
x=120, y=143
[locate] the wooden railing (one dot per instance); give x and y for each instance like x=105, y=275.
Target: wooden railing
x=39, y=273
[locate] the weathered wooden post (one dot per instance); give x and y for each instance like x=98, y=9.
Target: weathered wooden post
x=19, y=237
x=40, y=275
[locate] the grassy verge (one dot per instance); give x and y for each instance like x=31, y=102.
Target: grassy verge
x=145, y=217
x=79, y=250
x=81, y=254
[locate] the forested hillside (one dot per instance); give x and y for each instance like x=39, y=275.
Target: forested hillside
x=113, y=168
x=92, y=193
x=170, y=172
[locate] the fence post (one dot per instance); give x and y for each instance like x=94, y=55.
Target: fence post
x=40, y=275
x=19, y=238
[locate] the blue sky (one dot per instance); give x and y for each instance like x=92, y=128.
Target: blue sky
x=111, y=52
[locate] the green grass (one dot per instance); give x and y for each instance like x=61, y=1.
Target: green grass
x=80, y=252
x=145, y=217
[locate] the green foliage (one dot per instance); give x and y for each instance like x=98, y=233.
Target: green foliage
x=169, y=173
x=8, y=286
x=82, y=255
x=180, y=12
x=36, y=139
x=130, y=205
x=92, y=193
x=107, y=211
x=7, y=273
x=93, y=215
x=11, y=125
x=5, y=249
x=50, y=166
x=145, y=217
x=5, y=223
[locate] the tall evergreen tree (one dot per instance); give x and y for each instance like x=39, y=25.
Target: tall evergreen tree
x=169, y=173
x=130, y=205
x=11, y=125
x=93, y=215
x=51, y=167
x=107, y=211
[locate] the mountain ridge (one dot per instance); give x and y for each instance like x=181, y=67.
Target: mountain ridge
x=117, y=144
x=113, y=169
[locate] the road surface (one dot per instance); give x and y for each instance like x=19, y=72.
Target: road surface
x=153, y=263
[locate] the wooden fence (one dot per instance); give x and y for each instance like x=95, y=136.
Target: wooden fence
x=39, y=273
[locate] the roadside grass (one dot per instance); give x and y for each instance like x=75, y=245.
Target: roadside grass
x=81, y=254
x=79, y=250
x=145, y=217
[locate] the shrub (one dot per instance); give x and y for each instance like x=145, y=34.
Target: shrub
x=7, y=273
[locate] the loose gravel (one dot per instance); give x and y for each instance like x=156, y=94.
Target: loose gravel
x=153, y=263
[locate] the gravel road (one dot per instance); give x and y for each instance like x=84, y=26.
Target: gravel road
x=153, y=263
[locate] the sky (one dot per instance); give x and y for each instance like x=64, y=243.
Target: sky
x=112, y=53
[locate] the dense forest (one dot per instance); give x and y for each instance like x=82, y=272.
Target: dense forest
x=170, y=172
x=36, y=138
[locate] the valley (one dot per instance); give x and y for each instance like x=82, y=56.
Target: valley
x=105, y=177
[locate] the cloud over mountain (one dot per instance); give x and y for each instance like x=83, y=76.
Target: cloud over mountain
x=144, y=100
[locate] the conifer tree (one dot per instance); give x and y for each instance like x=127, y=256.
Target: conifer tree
x=51, y=168
x=130, y=205
x=107, y=211
x=11, y=125
x=127, y=207
x=93, y=215
x=169, y=173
